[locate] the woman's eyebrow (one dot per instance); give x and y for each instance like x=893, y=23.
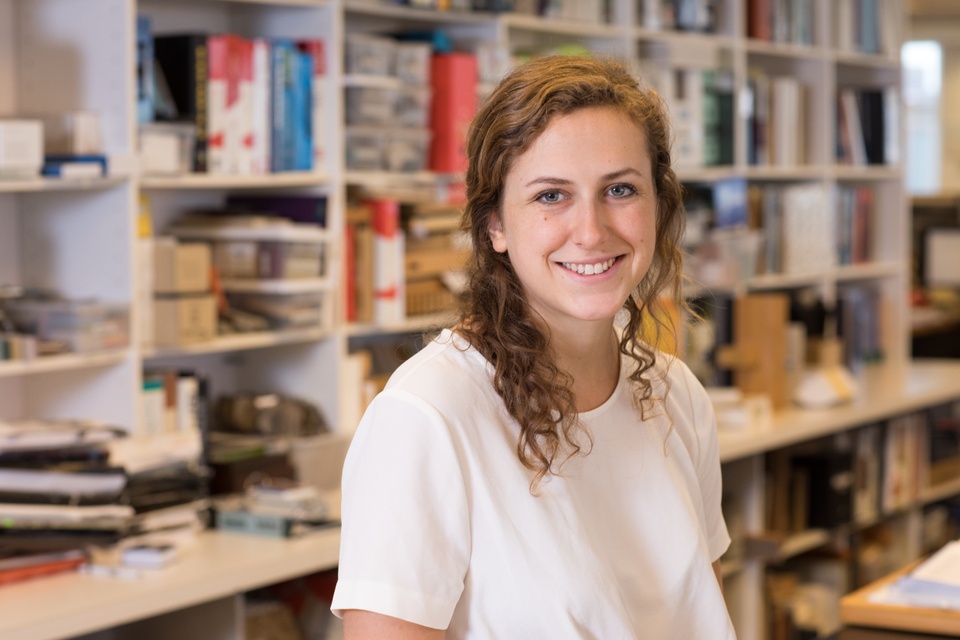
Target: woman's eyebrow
x=563, y=181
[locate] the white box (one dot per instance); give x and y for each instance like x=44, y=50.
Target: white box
x=166, y=148
x=21, y=148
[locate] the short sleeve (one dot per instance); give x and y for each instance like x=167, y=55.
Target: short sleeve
x=708, y=466
x=405, y=539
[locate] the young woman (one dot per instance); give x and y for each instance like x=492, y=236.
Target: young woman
x=539, y=471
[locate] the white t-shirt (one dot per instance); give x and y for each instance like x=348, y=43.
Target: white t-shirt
x=440, y=527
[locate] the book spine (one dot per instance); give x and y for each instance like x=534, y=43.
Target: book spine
x=218, y=89
x=260, y=108
x=318, y=59
x=279, y=69
x=145, y=70
x=243, y=116
x=387, y=254
x=184, y=62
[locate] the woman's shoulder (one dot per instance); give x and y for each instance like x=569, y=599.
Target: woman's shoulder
x=445, y=363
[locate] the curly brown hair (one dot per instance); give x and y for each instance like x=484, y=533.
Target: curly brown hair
x=495, y=315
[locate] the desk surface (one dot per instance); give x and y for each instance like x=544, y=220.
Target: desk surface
x=217, y=565
x=857, y=610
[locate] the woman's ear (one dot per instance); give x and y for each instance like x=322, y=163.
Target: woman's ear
x=495, y=229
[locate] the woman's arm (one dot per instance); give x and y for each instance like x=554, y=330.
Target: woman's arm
x=366, y=625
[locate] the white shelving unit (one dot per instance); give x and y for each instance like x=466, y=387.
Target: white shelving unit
x=79, y=237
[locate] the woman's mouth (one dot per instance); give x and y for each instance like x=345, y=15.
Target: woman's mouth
x=589, y=268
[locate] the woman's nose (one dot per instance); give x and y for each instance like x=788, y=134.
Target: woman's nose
x=590, y=224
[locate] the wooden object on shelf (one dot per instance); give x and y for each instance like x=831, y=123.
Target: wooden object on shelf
x=758, y=354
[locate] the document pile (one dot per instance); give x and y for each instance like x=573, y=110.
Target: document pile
x=935, y=584
x=59, y=494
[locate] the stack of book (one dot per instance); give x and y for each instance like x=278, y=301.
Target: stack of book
x=59, y=493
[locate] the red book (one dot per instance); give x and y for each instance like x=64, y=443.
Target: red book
x=760, y=19
x=388, y=275
x=453, y=77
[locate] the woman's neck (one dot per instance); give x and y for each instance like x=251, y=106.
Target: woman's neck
x=593, y=361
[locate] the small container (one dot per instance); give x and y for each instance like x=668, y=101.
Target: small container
x=368, y=54
x=407, y=150
x=412, y=62
x=370, y=105
x=365, y=148
x=412, y=108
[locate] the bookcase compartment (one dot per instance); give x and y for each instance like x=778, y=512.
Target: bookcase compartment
x=50, y=256
x=56, y=67
x=787, y=119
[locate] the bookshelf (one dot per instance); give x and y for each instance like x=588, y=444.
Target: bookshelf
x=81, y=55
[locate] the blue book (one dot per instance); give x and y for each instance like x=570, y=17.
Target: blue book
x=303, y=113
x=146, y=82
x=279, y=107
x=73, y=166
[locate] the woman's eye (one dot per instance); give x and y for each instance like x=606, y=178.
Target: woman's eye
x=622, y=190
x=550, y=197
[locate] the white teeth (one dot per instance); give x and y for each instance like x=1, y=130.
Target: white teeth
x=589, y=269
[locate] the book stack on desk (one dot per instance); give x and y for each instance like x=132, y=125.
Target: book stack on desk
x=167, y=483
x=59, y=494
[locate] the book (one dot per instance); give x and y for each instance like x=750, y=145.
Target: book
x=717, y=118
x=146, y=81
x=808, y=229
x=33, y=435
x=872, y=103
x=75, y=166
x=388, y=262
x=229, y=105
x=850, y=129
x=318, y=100
x=359, y=269
x=183, y=59
x=260, y=99
x=34, y=565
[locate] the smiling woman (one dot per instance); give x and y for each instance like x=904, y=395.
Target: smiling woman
x=536, y=471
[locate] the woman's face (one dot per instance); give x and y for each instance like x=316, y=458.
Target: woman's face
x=578, y=217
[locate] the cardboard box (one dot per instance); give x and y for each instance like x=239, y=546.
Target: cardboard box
x=184, y=320
x=181, y=267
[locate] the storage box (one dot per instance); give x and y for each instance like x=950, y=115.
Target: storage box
x=412, y=62
x=370, y=105
x=369, y=54
x=21, y=148
x=167, y=148
x=184, y=320
x=366, y=147
x=269, y=259
x=407, y=150
x=77, y=325
x=181, y=267
x=412, y=107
